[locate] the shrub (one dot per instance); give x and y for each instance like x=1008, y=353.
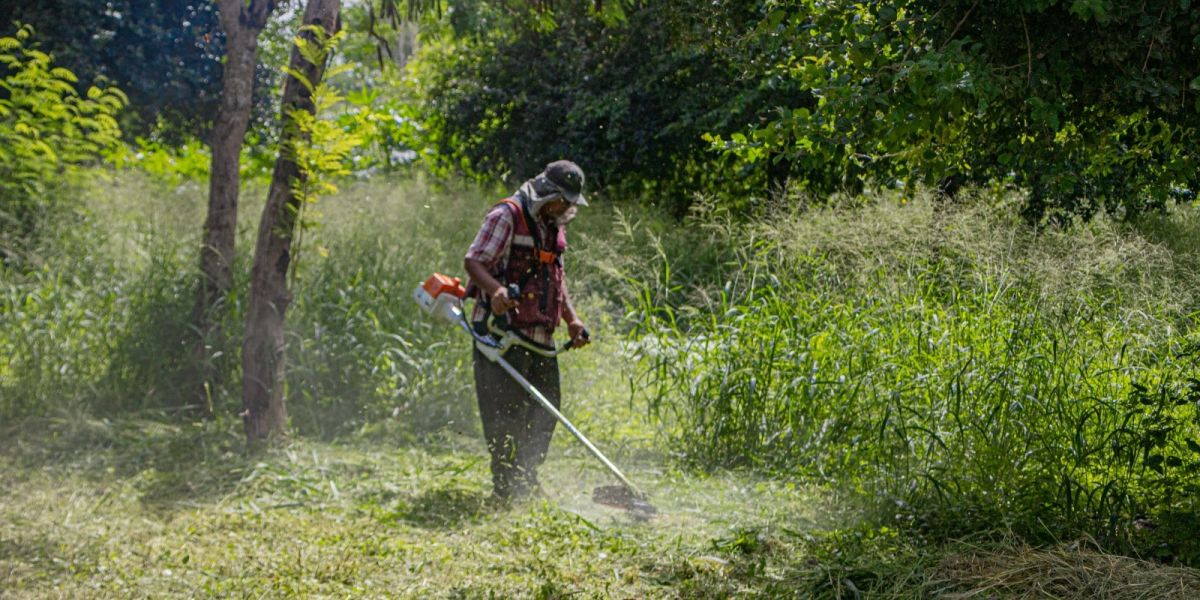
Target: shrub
x=46, y=130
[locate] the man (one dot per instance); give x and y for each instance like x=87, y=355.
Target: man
x=521, y=243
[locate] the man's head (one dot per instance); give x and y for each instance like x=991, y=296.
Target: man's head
x=558, y=191
x=561, y=178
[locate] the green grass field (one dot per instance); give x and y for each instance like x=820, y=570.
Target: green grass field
x=96, y=509
x=138, y=508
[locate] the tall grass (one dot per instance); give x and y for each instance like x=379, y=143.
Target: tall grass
x=91, y=323
x=962, y=372
x=359, y=349
x=102, y=326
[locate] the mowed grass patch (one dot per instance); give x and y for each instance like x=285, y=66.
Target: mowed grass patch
x=143, y=509
x=80, y=519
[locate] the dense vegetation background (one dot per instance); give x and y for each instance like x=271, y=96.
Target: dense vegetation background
x=927, y=266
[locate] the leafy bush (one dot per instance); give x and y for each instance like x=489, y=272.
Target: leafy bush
x=173, y=165
x=390, y=133
x=1088, y=105
x=46, y=129
x=628, y=99
x=963, y=372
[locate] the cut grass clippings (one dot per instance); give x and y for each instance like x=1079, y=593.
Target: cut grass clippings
x=114, y=509
x=120, y=509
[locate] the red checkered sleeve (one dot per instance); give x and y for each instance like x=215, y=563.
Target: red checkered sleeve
x=491, y=243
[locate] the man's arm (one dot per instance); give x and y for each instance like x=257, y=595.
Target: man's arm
x=490, y=243
x=575, y=326
x=498, y=296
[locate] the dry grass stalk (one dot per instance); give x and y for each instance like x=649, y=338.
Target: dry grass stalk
x=1064, y=572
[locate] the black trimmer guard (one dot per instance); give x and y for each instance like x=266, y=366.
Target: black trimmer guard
x=618, y=496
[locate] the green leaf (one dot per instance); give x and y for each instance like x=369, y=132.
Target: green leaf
x=1155, y=462
x=301, y=77
x=64, y=74
x=774, y=18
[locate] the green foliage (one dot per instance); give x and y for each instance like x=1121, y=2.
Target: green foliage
x=380, y=39
x=167, y=59
x=188, y=161
x=628, y=99
x=388, y=129
x=961, y=372
x=1085, y=104
x=46, y=130
x=320, y=147
x=173, y=165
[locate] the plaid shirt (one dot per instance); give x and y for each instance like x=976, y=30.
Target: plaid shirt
x=491, y=248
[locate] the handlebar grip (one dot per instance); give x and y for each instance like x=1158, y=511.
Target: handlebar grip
x=587, y=335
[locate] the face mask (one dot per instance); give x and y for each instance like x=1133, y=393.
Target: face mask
x=567, y=216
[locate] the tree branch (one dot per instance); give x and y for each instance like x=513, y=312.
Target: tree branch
x=961, y=21
x=1028, y=52
x=1146, y=62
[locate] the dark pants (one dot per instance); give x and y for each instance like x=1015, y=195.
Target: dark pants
x=516, y=427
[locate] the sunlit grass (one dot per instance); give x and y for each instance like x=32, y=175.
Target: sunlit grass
x=151, y=509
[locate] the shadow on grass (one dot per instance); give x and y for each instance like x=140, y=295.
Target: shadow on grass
x=171, y=465
x=444, y=507
x=174, y=466
x=167, y=462
x=36, y=556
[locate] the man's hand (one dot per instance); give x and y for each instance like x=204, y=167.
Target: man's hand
x=578, y=333
x=500, y=301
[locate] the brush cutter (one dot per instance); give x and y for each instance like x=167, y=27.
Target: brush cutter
x=441, y=297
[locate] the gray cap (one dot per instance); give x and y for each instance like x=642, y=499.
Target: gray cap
x=567, y=177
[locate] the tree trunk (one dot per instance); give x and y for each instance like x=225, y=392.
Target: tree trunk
x=264, y=412
x=242, y=24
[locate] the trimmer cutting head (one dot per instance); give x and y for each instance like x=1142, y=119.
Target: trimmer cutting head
x=619, y=496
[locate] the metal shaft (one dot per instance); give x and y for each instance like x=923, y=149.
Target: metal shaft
x=562, y=419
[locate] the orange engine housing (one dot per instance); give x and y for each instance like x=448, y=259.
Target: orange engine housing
x=439, y=284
